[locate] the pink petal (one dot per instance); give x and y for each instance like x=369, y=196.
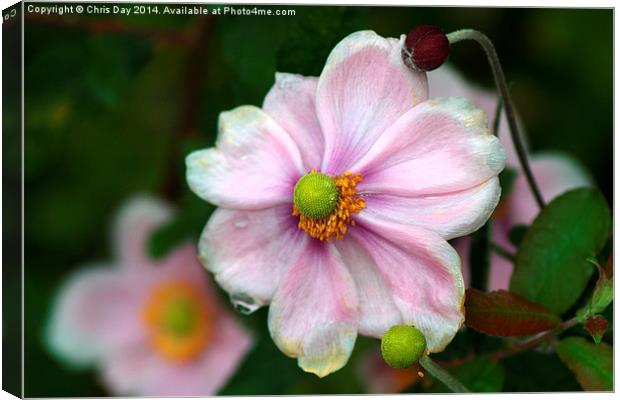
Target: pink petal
x=313, y=315
x=451, y=214
x=254, y=165
x=135, y=222
x=291, y=103
x=440, y=146
x=249, y=251
x=448, y=82
x=377, y=310
x=363, y=89
x=422, y=272
x=94, y=314
x=555, y=174
x=140, y=371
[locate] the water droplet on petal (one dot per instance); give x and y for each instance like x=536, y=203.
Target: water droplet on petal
x=243, y=303
x=241, y=223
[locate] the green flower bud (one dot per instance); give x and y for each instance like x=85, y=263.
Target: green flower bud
x=402, y=346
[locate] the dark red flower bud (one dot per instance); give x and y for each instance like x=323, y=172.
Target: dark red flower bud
x=426, y=48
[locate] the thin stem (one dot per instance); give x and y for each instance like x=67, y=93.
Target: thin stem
x=534, y=342
x=502, y=87
x=442, y=375
x=498, y=116
x=505, y=253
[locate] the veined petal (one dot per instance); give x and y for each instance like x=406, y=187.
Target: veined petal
x=451, y=214
x=249, y=251
x=364, y=87
x=134, y=223
x=423, y=275
x=377, y=311
x=95, y=313
x=440, y=146
x=253, y=165
x=313, y=315
x=448, y=82
x=291, y=103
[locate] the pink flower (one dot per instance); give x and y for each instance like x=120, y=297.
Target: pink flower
x=152, y=328
x=555, y=173
x=337, y=198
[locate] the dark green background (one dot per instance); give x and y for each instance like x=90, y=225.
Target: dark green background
x=107, y=116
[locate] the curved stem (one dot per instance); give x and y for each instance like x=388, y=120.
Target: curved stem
x=503, y=252
x=500, y=82
x=531, y=343
x=442, y=375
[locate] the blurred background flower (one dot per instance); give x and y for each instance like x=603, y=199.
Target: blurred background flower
x=113, y=104
x=152, y=328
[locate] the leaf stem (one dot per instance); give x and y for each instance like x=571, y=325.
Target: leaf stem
x=535, y=341
x=502, y=87
x=442, y=375
x=505, y=253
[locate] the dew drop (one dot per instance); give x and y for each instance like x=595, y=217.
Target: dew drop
x=241, y=223
x=243, y=303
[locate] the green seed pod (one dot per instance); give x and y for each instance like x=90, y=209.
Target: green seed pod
x=402, y=346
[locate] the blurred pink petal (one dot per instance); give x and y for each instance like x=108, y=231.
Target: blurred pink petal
x=134, y=222
x=363, y=89
x=254, y=165
x=313, y=314
x=290, y=102
x=94, y=314
x=102, y=317
x=555, y=174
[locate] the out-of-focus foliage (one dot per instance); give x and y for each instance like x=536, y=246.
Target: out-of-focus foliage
x=103, y=111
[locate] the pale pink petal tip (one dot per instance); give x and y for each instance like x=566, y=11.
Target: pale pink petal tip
x=137, y=218
x=253, y=165
x=313, y=315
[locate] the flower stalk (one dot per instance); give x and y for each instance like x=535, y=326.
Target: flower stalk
x=502, y=87
x=442, y=375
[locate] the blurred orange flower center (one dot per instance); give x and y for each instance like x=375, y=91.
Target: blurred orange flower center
x=179, y=320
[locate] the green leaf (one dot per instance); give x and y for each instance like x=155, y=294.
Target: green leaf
x=537, y=372
x=503, y=313
x=478, y=375
x=551, y=267
x=592, y=364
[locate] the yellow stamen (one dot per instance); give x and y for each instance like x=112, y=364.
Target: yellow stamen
x=338, y=221
x=179, y=319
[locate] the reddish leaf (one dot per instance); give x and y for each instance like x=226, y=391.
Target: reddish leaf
x=504, y=313
x=596, y=326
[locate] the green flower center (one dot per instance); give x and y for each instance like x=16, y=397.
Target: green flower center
x=179, y=316
x=316, y=195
